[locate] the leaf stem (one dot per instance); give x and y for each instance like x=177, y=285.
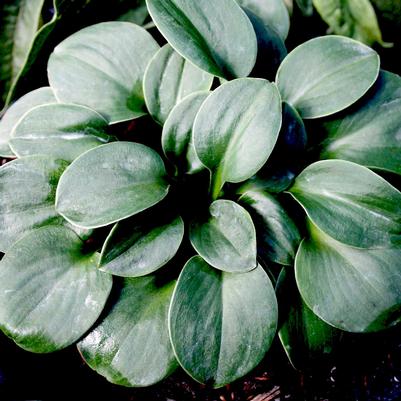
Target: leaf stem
x=216, y=184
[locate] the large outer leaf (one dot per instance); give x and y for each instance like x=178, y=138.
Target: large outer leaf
x=131, y=346
x=141, y=245
x=353, y=18
x=27, y=193
x=236, y=129
x=208, y=34
x=227, y=238
x=110, y=183
x=273, y=13
x=370, y=133
x=278, y=236
x=327, y=74
x=168, y=79
x=350, y=203
x=305, y=338
x=357, y=290
x=50, y=291
x=60, y=130
x=19, y=21
x=177, y=138
x=108, y=58
x=17, y=110
x=221, y=324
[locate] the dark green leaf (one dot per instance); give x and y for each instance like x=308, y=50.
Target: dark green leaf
x=326, y=75
x=350, y=203
x=370, y=134
x=60, y=130
x=131, y=346
x=168, y=79
x=208, y=34
x=226, y=239
x=110, y=183
x=278, y=236
x=50, y=291
x=108, y=58
x=221, y=324
x=141, y=245
x=357, y=290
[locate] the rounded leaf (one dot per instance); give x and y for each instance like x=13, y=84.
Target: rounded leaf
x=221, y=324
x=278, y=236
x=59, y=130
x=356, y=290
x=177, y=138
x=141, y=245
x=370, y=133
x=102, y=67
x=237, y=127
x=131, y=346
x=17, y=110
x=326, y=75
x=350, y=203
x=192, y=28
x=27, y=194
x=168, y=79
x=110, y=183
x=50, y=290
x=226, y=239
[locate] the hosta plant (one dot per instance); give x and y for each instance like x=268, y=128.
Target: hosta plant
x=163, y=198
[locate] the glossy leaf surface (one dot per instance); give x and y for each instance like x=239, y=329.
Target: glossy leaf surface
x=141, y=245
x=192, y=28
x=350, y=203
x=370, y=133
x=236, y=129
x=60, y=130
x=135, y=177
x=27, y=193
x=131, y=346
x=326, y=75
x=50, y=291
x=168, y=79
x=17, y=110
x=221, y=324
x=356, y=290
x=278, y=236
x=226, y=239
x=108, y=58
x=177, y=138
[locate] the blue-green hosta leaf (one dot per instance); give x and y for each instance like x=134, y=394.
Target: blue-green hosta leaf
x=110, y=183
x=353, y=289
x=177, y=138
x=273, y=13
x=326, y=75
x=168, y=79
x=305, y=338
x=141, y=245
x=236, y=129
x=102, y=67
x=208, y=34
x=226, y=238
x=131, y=346
x=19, y=22
x=353, y=18
x=50, y=291
x=17, y=110
x=370, y=133
x=350, y=203
x=27, y=194
x=60, y=130
x=221, y=324
x=278, y=236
